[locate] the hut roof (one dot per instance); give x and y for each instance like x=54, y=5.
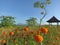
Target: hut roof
x=53, y=19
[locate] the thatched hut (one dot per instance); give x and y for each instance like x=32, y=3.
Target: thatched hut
x=53, y=20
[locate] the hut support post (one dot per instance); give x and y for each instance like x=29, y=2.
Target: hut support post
x=57, y=24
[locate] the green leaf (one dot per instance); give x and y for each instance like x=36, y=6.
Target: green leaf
x=48, y=2
x=42, y=13
x=37, y=4
x=42, y=6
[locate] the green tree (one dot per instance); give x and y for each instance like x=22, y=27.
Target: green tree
x=42, y=4
x=7, y=21
x=32, y=21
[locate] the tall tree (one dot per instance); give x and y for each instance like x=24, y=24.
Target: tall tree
x=6, y=21
x=42, y=4
x=32, y=21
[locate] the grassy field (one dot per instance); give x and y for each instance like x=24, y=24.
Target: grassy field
x=18, y=36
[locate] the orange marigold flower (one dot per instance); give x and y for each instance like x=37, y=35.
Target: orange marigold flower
x=3, y=41
x=31, y=32
x=5, y=33
x=12, y=33
x=38, y=38
x=57, y=38
x=54, y=43
x=26, y=29
x=44, y=30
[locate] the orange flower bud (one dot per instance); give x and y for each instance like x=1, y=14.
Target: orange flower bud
x=4, y=41
x=26, y=29
x=54, y=43
x=5, y=33
x=38, y=38
x=57, y=38
x=31, y=32
x=44, y=30
x=11, y=33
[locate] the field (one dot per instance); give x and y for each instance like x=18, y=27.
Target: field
x=19, y=36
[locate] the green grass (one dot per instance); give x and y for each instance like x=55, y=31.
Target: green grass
x=22, y=39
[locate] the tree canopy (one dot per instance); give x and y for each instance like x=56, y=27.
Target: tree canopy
x=6, y=21
x=32, y=21
x=42, y=4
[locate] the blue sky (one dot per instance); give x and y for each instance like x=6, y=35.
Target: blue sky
x=24, y=9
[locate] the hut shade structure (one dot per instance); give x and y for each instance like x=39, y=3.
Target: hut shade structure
x=53, y=20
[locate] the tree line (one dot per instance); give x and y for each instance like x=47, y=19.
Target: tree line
x=8, y=21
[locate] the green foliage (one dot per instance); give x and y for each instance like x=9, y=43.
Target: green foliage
x=48, y=2
x=7, y=21
x=37, y=4
x=42, y=5
x=32, y=21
